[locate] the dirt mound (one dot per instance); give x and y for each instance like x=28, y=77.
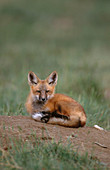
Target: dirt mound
x=85, y=139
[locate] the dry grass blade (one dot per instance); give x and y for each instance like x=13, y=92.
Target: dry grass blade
x=101, y=145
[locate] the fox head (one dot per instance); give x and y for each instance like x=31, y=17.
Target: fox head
x=42, y=90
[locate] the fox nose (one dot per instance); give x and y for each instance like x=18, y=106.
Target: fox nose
x=43, y=99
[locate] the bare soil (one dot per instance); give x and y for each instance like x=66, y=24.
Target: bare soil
x=83, y=139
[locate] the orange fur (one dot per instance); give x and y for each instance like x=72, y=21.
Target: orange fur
x=65, y=105
x=42, y=98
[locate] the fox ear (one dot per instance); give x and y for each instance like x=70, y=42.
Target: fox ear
x=52, y=78
x=32, y=78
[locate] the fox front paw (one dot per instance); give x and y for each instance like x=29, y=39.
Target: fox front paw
x=45, y=119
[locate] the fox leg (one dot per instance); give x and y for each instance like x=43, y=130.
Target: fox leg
x=48, y=115
x=74, y=121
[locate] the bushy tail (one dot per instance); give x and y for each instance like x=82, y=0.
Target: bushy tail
x=83, y=121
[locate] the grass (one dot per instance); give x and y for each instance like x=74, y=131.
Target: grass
x=46, y=155
x=71, y=37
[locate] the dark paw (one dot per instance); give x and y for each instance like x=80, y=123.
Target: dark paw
x=45, y=119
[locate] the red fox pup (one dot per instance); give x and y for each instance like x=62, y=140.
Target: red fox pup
x=46, y=106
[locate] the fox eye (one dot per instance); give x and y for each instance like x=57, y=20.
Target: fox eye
x=47, y=91
x=38, y=91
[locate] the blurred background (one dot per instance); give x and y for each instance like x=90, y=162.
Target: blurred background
x=69, y=36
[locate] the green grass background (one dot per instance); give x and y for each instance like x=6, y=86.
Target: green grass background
x=71, y=37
